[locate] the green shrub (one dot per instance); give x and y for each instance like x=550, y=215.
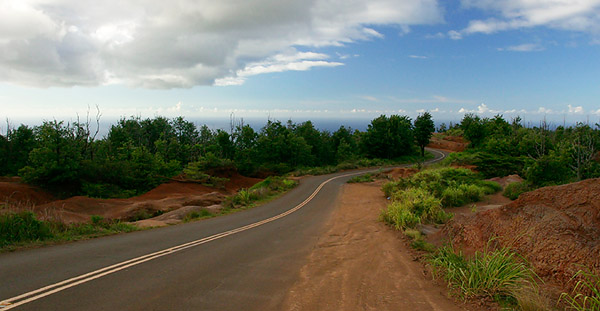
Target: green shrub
x=586, y=294
x=23, y=226
x=514, y=190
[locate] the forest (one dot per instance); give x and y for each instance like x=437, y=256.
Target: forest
x=138, y=154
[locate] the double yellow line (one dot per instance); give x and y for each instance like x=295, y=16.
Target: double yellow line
x=22, y=299
x=84, y=278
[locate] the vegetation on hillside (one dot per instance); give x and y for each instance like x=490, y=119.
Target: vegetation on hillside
x=543, y=155
x=138, y=154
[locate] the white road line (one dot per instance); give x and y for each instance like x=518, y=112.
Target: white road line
x=22, y=299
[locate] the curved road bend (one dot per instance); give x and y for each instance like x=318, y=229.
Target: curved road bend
x=218, y=269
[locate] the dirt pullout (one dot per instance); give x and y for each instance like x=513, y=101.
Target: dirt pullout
x=361, y=264
x=448, y=143
x=555, y=228
x=162, y=199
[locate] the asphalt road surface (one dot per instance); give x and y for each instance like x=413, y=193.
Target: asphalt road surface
x=243, y=261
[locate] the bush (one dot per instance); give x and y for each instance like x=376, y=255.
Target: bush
x=514, y=190
x=23, y=226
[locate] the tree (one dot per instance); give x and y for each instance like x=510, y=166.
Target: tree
x=424, y=128
x=388, y=138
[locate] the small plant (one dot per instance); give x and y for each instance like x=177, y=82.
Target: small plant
x=586, y=294
x=514, y=190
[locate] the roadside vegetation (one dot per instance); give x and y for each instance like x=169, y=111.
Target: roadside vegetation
x=543, y=155
x=23, y=228
x=421, y=199
x=261, y=192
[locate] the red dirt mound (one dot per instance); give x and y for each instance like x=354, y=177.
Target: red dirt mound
x=16, y=193
x=448, y=143
x=507, y=180
x=556, y=228
x=164, y=198
x=401, y=172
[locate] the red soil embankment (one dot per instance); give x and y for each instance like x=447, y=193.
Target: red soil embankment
x=13, y=192
x=164, y=198
x=556, y=228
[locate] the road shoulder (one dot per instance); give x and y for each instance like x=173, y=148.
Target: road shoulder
x=362, y=264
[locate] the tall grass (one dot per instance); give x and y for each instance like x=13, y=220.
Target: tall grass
x=22, y=226
x=586, y=294
x=499, y=274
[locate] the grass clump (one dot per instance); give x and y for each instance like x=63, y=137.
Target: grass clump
x=23, y=228
x=499, y=274
x=514, y=190
x=414, y=206
x=586, y=293
x=194, y=215
x=262, y=191
x=368, y=177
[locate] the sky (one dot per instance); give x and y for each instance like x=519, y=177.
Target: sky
x=302, y=59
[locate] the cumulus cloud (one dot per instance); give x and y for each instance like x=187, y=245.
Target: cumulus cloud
x=572, y=15
x=164, y=44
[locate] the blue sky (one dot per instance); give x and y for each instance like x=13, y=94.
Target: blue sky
x=319, y=59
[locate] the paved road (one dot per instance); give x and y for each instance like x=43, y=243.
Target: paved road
x=247, y=270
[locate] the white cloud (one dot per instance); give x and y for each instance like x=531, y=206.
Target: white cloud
x=527, y=47
x=571, y=15
x=481, y=109
x=418, y=56
x=576, y=109
x=454, y=35
x=163, y=44
x=299, y=61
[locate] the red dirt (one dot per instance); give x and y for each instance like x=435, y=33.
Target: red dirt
x=555, y=228
x=448, y=143
x=400, y=172
x=361, y=264
x=13, y=192
x=164, y=198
